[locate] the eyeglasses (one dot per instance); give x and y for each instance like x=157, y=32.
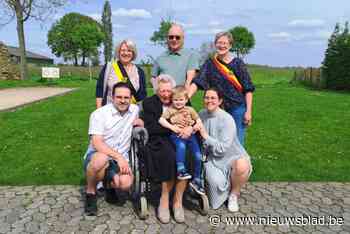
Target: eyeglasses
x=221, y=43
x=210, y=98
x=174, y=37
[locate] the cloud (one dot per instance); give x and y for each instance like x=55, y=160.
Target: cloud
x=95, y=16
x=280, y=36
x=132, y=13
x=204, y=31
x=119, y=26
x=157, y=11
x=306, y=24
x=317, y=36
x=214, y=23
x=186, y=25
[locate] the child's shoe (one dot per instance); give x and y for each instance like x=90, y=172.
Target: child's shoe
x=197, y=186
x=183, y=175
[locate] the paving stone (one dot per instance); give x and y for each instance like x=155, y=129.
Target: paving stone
x=32, y=227
x=5, y=228
x=124, y=229
x=179, y=229
x=12, y=217
x=100, y=228
x=113, y=225
x=50, y=209
x=44, y=208
x=153, y=228
x=73, y=200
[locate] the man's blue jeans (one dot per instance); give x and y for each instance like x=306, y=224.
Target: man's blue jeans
x=181, y=145
x=238, y=115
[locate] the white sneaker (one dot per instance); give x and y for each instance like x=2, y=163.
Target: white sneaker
x=233, y=203
x=99, y=186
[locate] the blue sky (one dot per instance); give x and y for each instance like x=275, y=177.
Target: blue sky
x=287, y=33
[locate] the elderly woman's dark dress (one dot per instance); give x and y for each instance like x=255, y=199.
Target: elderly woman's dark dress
x=160, y=148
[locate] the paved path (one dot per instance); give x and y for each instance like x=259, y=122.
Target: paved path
x=59, y=209
x=16, y=97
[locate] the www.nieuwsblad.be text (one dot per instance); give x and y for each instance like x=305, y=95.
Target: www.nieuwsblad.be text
x=216, y=220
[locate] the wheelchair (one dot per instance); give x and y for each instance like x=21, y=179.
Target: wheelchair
x=141, y=188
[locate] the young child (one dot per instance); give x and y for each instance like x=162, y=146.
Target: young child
x=175, y=118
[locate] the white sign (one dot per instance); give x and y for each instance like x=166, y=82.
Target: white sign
x=50, y=72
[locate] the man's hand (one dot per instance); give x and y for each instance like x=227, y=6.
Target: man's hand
x=186, y=132
x=138, y=123
x=124, y=166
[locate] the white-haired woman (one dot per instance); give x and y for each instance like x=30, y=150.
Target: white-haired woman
x=121, y=69
x=162, y=151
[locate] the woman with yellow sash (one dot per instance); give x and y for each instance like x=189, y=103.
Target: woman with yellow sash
x=230, y=77
x=121, y=69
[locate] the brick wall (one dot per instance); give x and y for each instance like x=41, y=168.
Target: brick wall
x=7, y=70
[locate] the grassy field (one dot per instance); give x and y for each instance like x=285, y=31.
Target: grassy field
x=298, y=134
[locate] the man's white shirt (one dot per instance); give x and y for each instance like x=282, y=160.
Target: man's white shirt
x=115, y=128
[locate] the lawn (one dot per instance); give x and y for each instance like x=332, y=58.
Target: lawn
x=298, y=134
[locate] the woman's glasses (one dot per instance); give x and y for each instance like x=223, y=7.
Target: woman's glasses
x=210, y=98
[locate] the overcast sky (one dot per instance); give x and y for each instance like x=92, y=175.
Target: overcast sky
x=287, y=33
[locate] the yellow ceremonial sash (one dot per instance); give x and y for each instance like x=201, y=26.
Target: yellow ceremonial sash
x=121, y=78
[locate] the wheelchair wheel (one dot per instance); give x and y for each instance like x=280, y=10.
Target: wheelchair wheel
x=143, y=208
x=204, y=204
x=135, y=170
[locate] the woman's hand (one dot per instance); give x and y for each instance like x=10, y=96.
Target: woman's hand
x=203, y=132
x=197, y=126
x=248, y=118
x=176, y=129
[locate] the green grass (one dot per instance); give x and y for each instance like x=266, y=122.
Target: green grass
x=297, y=134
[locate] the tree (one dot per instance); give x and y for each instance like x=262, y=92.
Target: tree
x=336, y=64
x=75, y=36
x=23, y=10
x=243, y=41
x=107, y=29
x=160, y=37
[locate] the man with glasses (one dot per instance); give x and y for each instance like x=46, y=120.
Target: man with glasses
x=178, y=62
x=110, y=131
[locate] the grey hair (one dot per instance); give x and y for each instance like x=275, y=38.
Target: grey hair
x=164, y=78
x=130, y=44
x=224, y=34
x=179, y=26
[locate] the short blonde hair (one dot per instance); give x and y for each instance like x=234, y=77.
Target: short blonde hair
x=130, y=44
x=180, y=91
x=224, y=34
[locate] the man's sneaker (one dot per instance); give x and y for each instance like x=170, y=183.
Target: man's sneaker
x=183, y=175
x=197, y=187
x=233, y=203
x=91, y=205
x=111, y=196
